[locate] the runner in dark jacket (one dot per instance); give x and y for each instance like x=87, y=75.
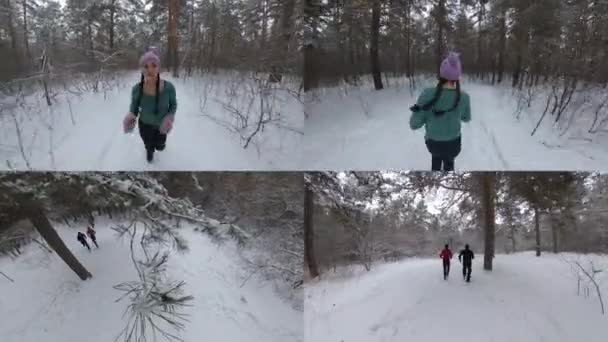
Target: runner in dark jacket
x=466, y=257
x=446, y=255
x=83, y=240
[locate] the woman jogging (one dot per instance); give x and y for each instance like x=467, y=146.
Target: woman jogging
x=153, y=105
x=441, y=110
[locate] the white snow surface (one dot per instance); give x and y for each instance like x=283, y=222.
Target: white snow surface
x=351, y=128
x=47, y=302
x=524, y=299
x=84, y=132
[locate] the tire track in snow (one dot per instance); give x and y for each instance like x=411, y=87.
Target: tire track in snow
x=495, y=144
x=483, y=97
x=104, y=153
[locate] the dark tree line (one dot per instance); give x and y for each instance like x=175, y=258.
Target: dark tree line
x=87, y=35
x=529, y=41
x=550, y=52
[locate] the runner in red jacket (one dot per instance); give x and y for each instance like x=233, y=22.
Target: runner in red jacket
x=91, y=233
x=446, y=255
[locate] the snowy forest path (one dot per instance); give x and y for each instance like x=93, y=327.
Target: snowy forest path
x=84, y=133
x=364, y=129
x=524, y=299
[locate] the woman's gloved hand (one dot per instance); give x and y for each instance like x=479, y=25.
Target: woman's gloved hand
x=128, y=124
x=167, y=124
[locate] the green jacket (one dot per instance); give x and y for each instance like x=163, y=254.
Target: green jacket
x=447, y=126
x=167, y=104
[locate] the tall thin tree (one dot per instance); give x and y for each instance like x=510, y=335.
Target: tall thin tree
x=374, y=45
x=309, y=250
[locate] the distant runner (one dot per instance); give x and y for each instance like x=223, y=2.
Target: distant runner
x=446, y=255
x=466, y=257
x=91, y=233
x=83, y=240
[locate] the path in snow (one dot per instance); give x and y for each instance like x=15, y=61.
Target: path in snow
x=95, y=141
x=341, y=135
x=525, y=299
x=47, y=302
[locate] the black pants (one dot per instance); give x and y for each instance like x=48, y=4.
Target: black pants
x=85, y=243
x=446, y=268
x=153, y=139
x=466, y=271
x=444, y=153
x=94, y=239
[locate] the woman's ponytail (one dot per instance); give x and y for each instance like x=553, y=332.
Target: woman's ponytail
x=140, y=94
x=437, y=96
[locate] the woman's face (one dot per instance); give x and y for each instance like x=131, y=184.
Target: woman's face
x=150, y=70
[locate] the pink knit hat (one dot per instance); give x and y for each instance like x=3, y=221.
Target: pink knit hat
x=451, y=69
x=151, y=56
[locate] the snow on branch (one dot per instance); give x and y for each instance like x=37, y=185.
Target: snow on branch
x=587, y=276
x=250, y=105
x=136, y=195
x=156, y=303
x=591, y=276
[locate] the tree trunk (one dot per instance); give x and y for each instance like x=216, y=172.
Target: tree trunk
x=212, y=46
x=310, y=80
x=193, y=36
x=309, y=251
x=480, y=61
x=529, y=77
x=351, y=46
x=13, y=35
x=555, y=234
x=408, y=42
x=494, y=67
x=283, y=37
x=503, y=46
x=46, y=76
x=537, y=229
x=91, y=45
x=112, y=14
x=11, y=28
x=517, y=70
x=264, y=35
x=374, y=42
x=366, y=240
x=489, y=208
x=172, y=37
x=46, y=230
x=338, y=19
x=439, y=44
x=26, y=42
x=513, y=240
x=310, y=75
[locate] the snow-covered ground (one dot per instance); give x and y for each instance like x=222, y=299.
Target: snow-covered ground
x=84, y=132
x=525, y=299
x=363, y=129
x=47, y=302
